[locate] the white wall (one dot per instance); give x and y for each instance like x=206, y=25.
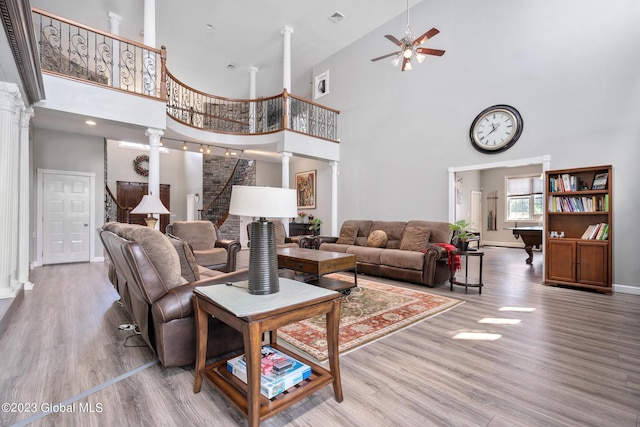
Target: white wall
x=71, y=152
x=569, y=67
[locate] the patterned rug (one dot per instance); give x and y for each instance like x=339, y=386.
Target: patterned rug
x=372, y=311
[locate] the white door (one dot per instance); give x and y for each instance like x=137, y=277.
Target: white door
x=476, y=210
x=66, y=203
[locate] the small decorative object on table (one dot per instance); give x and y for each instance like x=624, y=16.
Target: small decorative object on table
x=461, y=234
x=315, y=226
x=301, y=218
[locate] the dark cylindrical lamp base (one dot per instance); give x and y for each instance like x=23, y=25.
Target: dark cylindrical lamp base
x=263, y=259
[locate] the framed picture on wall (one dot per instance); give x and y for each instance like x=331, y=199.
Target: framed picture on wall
x=321, y=85
x=306, y=189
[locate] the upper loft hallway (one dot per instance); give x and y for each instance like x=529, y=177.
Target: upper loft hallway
x=125, y=87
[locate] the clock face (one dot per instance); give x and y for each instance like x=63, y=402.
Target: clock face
x=496, y=129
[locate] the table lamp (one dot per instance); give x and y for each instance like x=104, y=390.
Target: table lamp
x=263, y=203
x=150, y=204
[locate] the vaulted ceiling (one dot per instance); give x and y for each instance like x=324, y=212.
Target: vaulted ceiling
x=203, y=37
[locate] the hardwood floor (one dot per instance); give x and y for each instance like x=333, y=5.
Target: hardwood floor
x=573, y=361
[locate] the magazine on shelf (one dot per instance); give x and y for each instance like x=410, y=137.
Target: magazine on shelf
x=279, y=371
x=600, y=181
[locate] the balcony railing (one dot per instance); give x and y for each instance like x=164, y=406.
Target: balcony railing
x=74, y=50
x=249, y=116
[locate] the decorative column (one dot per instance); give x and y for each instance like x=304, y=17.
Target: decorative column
x=150, y=40
x=24, y=240
x=114, y=20
x=334, y=198
x=285, y=182
x=154, y=162
x=252, y=95
x=10, y=105
x=286, y=60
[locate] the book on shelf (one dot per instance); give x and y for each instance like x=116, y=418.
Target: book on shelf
x=600, y=181
x=579, y=204
x=596, y=232
x=279, y=371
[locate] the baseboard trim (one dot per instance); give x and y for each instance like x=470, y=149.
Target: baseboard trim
x=626, y=289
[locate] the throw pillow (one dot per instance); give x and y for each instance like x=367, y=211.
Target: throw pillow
x=377, y=239
x=188, y=266
x=415, y=238
x=348, y=234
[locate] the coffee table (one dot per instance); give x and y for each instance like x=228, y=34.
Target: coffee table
x=254, y=315
x=315, y=264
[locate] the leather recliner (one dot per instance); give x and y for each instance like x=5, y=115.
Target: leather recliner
x=209, y=249
x=142, y=269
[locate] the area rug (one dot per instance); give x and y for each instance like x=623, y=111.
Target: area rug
x=372, y=310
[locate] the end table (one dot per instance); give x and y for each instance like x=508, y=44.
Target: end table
x=452, y=269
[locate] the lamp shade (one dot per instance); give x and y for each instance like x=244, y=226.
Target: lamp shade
x=263, y=202
x=150, y=204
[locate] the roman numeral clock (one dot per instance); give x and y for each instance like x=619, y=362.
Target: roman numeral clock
x=496, y=129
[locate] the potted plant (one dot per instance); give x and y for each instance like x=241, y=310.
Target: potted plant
x=461, y=234
x=315, y=226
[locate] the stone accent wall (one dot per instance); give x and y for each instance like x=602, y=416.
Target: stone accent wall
x=216, y=171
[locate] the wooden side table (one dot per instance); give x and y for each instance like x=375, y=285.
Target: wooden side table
x=253, y=315
x=452, y=269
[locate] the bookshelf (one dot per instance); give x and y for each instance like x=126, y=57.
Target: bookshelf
x=578, y=218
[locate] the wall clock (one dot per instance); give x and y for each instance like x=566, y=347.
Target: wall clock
x=496, y=129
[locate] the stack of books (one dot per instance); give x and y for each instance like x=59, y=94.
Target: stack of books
x=596, y=232
x=279, y=371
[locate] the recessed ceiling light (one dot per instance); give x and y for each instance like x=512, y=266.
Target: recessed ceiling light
x=336, y=17
x=231, y=66
x=209, y=27
x=90, y=122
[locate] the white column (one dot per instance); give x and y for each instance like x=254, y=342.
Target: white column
x=252, y=95
x=114, y=20
x=150, y=23
x=286, y=60
x=285, y=168
x=285, y=182
x=150, y=40
x=24, y=240
x=154, y=162
x=334, y=198
x=10, y=105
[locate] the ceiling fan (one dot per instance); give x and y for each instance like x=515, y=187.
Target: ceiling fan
x=410, y=47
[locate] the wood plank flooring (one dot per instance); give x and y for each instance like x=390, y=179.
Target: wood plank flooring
x=573, y=361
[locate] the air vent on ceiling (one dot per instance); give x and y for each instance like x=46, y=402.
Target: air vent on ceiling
x=336, y=17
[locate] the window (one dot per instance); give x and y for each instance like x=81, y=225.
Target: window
x=524, y=198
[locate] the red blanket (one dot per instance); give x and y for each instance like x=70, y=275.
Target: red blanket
x=456, y=258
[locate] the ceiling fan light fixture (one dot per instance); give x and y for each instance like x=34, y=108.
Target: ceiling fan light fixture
x=409, y=46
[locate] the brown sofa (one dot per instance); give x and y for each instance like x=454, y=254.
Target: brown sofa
x=397, y=250
x=155, y=277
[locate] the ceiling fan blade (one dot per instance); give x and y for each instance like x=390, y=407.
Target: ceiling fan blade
x=405, y=62
x=384, y=56
x=393, y=39
x=426, y=36
x=427, y=51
